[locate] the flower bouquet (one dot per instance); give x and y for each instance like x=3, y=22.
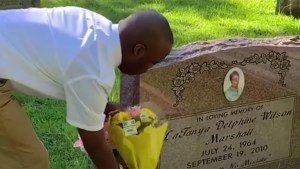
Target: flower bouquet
x=138, y=135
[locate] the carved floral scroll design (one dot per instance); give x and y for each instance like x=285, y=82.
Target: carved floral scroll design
x=186, y=75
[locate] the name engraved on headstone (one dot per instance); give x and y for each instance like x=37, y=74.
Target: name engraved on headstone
x=233, y=138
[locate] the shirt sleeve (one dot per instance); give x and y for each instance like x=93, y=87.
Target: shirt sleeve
x=86, y=101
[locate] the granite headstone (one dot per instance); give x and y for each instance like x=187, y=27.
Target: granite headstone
x=231, y=104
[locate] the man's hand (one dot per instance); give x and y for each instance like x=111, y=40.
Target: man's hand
x=99, y=151
x=112, y=108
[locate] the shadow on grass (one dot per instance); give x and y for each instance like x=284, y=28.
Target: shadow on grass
x=117, y=10
x=289, y=30
x=114, y=10
x=184, y=16
x=208, y=9
x=255, y=32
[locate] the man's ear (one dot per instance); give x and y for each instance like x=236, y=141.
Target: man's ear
x=139, y=51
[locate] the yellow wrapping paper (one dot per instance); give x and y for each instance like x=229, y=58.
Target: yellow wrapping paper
x=141, y=150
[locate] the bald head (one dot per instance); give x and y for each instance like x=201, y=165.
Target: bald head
x=146, y=23
x=146, y=39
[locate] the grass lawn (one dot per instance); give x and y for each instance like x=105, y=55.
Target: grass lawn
x=191, y=20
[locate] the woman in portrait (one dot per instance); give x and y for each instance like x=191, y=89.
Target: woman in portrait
x=233, y=92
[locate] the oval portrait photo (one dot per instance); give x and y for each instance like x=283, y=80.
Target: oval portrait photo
x=234, y=83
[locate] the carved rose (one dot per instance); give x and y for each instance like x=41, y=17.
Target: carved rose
x=223, y=65
x=183, y=71
x=248, y=59
x=178, y=90
x=213, y=65
x=204, y=67
x=271, y=56
x=189, y=77
x=281, y=56
x=262, y=59
x=275, y=64
x=194, y=68
x=178, y=81
x=254, y=58
x=285, y=64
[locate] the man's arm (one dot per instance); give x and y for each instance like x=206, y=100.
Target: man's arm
x=86, y=102
x=112, y=108
x=99, y=151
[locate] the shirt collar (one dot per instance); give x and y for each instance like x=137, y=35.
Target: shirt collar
x=117, y=53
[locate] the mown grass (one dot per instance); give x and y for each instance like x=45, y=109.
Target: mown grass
x=191, y=20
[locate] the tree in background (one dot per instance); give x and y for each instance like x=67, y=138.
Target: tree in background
x=288, y=7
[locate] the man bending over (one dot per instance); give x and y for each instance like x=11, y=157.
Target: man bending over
x=70, y=53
